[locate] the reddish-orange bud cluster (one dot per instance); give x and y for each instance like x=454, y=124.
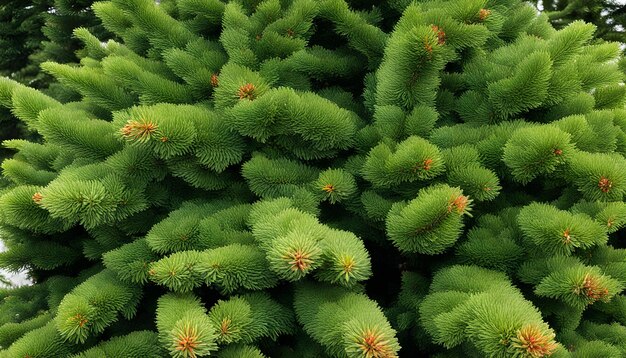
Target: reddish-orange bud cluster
x=567, y=238
x=80, y=319
x=459, y=203
x=329, y=188
x=37, y=197
x=605, y=184
x=534, y=342
x=374, y=345
x=138, y=130
x=126, y=130
x=215, y=81
x=441, y=38
x=187, y=341
x=247, y=91
x=427, y=46
x=224, y=326
x=425, y=165
x=299, y=260
x=483, y=14
x=428, y=163
x=593, y=289
x=558, y=152
x=441, y=35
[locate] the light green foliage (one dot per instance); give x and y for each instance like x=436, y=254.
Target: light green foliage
x=411, y=160
x=41, y=342
x=131, y=261
x=22, y=212
x=376, y=206
x=313, y=178
x=306, y=124
x=569, y=281
x=344, y=322
x=240, y=351
x=134, y=345
x=479, y=183
x=78, y=132
x=28, y=103
x=94, y=86
x=94, y=305
x=180, y=230
x=361, y=36
x=296, y=244
x=599, y=176
x=492, y=243
x=536, y=151
x=250, y=318
x=184, y=328
x=527, y=88
x=335, y=185
x=559, y=232
x=272, y=178
x=10, y=332
x=228, y=268
x=430, y=223
x=608, y=333
x=487, y=311
x=392, y=122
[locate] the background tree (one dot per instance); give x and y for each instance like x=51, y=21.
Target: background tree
x=34, y=32
x=609, y=16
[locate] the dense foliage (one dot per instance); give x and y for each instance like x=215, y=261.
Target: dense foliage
x=326, y=178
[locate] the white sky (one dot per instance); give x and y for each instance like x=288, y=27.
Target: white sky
x=19, y=278
x=618, y=2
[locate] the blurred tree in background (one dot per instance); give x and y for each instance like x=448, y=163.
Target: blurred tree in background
x=608, y=15
x=32, y=32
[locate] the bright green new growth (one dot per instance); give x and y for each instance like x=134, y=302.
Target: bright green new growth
x=559, y=232
x=346, y=323
x=297, y=244
x=568, y=280
x=430, y=223
x=320, y=178
x=335, y=185
x=487, y=312
x=250, y=318
x=531, y=152
x=184, y=327
x=94, y=305
x=411, y=160
x=134, y=345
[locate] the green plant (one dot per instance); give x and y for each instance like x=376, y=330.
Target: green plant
x=321, y=178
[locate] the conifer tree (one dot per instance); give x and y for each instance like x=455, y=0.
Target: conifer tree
x=320, y=178
x=21, y=24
